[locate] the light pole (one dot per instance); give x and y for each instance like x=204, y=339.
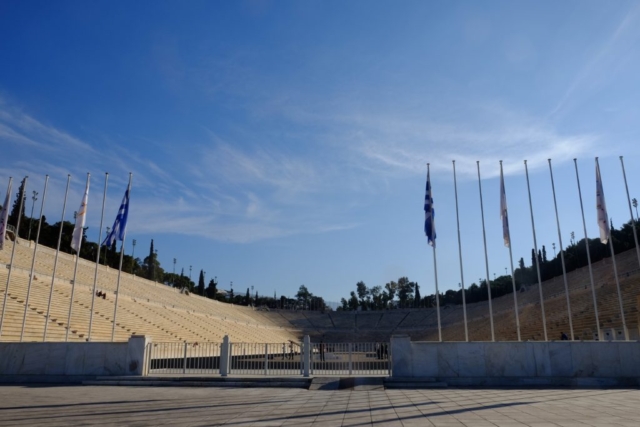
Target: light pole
x=553, y=245
x=634, y=201
x=106, y=248
x=132, y=255
x=505, y=271
x=34, y=198
x=189, y=273
x=573, y=238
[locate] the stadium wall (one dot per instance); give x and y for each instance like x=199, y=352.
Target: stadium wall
x=70, y=362
x=563, y=363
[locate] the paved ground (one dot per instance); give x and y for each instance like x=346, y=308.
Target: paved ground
x=66, y=405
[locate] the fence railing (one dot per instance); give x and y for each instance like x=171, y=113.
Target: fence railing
x=183, y=358
x=268, y=359
x=350, y=359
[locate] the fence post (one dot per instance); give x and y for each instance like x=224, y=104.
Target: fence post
x=350, y=360
x=306, y=358
x=224, y=357
x=266, y=359
x=184, y=364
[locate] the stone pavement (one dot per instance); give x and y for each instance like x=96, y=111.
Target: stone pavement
x=104, y=405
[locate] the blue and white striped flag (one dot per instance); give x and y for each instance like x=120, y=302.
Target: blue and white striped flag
x=119, y=228
x=429, y=213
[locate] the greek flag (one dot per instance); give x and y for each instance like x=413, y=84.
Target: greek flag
x=119, y=228
x=429, y=213
x=4, y=216
x=601, y=207
x=503, y=213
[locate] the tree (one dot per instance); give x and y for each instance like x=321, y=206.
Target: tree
x=212, y=289
x=150, y=262
x=521, y=263
x=247, y=298
x=405, y=291
x=362, y=291
x=353, y=301
x=344, y=304
x=544, y=254
x=15, y=210
x=391, y=289
x=417, y=297
x=303, y=296
x=533, y=257
x=201, y=283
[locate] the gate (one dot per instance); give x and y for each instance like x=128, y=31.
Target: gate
x=350, y=359
x=183, y=358
x=265, y=359
x=268, y=359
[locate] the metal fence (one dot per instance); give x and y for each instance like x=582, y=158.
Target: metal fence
x=183, y=358
x=350, y=359
x=265, y=359
x=275, y=359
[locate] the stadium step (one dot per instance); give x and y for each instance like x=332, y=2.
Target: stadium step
x=413, y=383
x=188, y=381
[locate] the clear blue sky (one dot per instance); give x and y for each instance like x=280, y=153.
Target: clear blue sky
x=275, y=144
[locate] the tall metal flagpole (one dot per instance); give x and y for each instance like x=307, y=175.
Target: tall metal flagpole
x=508, y=232
x=95, y=274
x=486, y=256
x=564, y=270
x=586, y=243
x=613, y=259
x=33, y=259
x=464, y=303
x=75, y=271
x=115, y=308
x=435, y=264
x=55, y=261
x=13, y=250
x=535, y=248
x=633, y=222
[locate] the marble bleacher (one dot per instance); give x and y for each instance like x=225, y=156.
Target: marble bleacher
x=144, y=307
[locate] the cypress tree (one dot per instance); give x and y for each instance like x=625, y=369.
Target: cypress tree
x=201, y=283
x=150, y=262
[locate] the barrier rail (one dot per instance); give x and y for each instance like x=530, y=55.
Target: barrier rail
x=268, y=359
x=183, y=358
x=265, y=359
x=350, y=359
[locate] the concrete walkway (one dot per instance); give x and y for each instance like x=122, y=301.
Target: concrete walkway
x=104, y=405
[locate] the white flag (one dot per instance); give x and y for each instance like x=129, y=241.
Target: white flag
x=4, y=217
x=503, y=213
x=76, y=240
x=601, y=207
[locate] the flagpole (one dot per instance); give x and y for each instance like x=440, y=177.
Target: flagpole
x=115, y=308
x=486, y=256
x=55, y=260
x=535, y=248
x=633, y=222
x=75, y=270
x=615, y=267
x=586, y=243
x=33, y=259
x=513, y=277
x=435, y=264
x=95, y=274
x=564, y=270
x=464, y=304
x=13, y=250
